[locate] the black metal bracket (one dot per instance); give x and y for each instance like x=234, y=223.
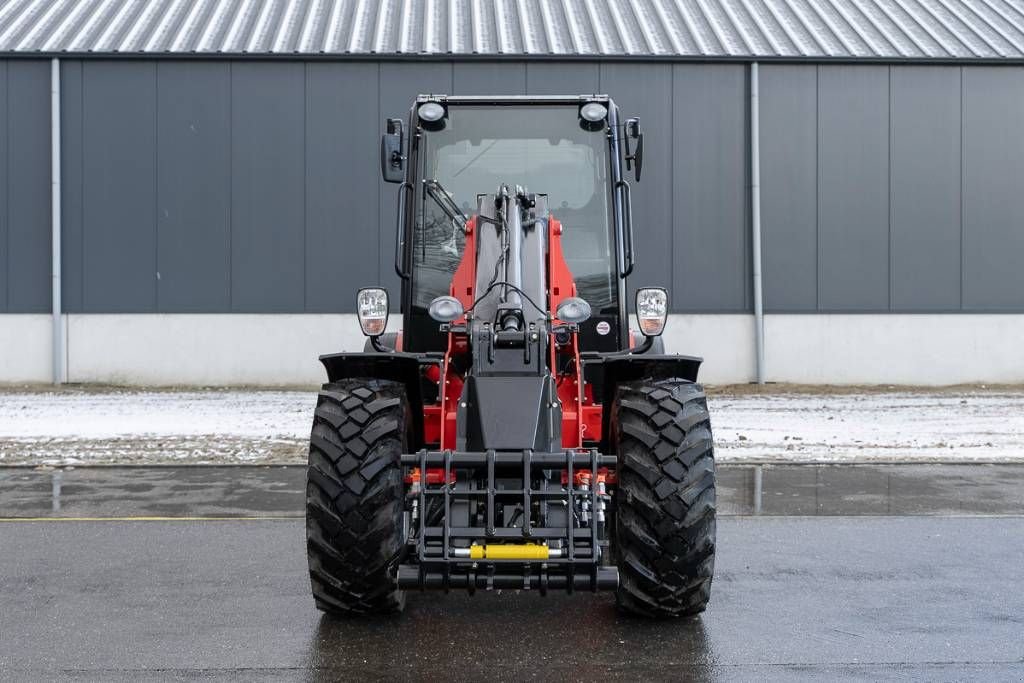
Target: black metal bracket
x=579, y=565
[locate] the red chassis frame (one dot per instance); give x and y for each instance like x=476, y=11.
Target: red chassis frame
x=581, y=417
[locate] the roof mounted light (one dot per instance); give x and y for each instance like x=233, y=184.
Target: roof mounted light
x=430, y=112
x=593, y=112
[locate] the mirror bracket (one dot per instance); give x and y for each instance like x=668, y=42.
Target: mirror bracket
x=635, y=156
x=392, y=161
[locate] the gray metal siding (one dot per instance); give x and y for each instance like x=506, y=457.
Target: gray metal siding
x=267, y=187
x=710, y=268
x=119, y=187
x=925, y=191
x=492, y=78
x=26, y=194
x=193, y=192
x=993, y=106
x=343, y=223
x=4, y=135
x=853, y=188
x=254, y=187
x=558, y=79
x=789, y=187
x=72, y=200
x=645, y=91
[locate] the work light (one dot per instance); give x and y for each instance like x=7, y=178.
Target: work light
x=431, y=112
x=573, y=310
x=651, y=310
x=593, y=111
x=372, y=310
x=445, y=309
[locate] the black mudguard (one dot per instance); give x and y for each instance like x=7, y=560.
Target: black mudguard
x=394, y=367
x=616, y=370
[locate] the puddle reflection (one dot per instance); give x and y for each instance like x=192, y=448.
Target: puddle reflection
x=582, y=637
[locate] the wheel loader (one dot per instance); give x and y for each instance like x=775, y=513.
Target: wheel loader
x=515, y=433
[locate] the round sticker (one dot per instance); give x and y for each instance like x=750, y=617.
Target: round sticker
x=603, y=328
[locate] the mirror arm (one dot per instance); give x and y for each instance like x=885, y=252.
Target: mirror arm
x=629, y=152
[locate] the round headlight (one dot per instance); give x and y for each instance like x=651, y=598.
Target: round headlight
x=573, y=310
x=431, y=112
x=445, y=309
x=593, y=111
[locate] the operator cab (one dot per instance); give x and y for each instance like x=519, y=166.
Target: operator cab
x=461, y=148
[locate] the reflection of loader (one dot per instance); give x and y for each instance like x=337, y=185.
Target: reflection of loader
x=515, y=434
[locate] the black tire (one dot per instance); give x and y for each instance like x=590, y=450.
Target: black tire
x=355, y=525
x=665, y=503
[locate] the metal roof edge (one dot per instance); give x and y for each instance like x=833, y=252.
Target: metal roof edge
x=518, y=58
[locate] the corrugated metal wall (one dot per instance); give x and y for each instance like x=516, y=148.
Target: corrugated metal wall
x=252, y=186
x=892, y=188
x=24, y=186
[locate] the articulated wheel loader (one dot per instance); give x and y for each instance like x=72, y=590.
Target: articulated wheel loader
x=516, y=433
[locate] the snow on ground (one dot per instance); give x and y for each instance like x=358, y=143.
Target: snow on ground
x=967, y=425
x=79, y=426
x=129, y=426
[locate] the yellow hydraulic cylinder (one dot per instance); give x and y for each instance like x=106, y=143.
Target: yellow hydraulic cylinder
x=509, y=551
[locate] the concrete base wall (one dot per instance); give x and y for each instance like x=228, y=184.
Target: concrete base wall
x=25, y=348
x=206, y=349
x=926, y=349
x=235, y=349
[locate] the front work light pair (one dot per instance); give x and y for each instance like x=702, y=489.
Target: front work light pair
x=372, y=310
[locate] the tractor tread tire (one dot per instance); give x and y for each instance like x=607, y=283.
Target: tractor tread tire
x=665, y=505
x=355, y=496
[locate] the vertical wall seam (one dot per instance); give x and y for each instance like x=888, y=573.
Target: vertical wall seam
x=671, y=178
x=380, y=197
x=7, y=185
x=755, y=219
x=305, y=185
x=81, y=181
x=817, y=187
x=231, y=186
x=380, y=219
x=57, y=333
x=963, y=192
x=77, y=66
x=748, y=207
x=156, y=186
x=891, y=261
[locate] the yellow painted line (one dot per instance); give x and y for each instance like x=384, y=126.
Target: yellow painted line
x=145, y=519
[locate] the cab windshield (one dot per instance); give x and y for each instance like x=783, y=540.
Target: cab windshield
x=541, y=148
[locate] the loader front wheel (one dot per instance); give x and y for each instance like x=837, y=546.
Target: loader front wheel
x=355, y=527
x=665, y=503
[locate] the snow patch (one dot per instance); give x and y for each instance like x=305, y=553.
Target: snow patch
x=125, y=426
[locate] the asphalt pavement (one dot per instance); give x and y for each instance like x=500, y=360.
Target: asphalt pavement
x=158, y=582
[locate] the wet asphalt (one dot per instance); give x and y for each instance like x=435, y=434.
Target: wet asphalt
x=823, y=573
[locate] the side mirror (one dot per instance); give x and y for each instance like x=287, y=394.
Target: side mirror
x=392, y=162
x=634, y=158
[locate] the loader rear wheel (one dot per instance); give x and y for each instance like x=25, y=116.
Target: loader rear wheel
x=355, y=527
x=665, y=502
